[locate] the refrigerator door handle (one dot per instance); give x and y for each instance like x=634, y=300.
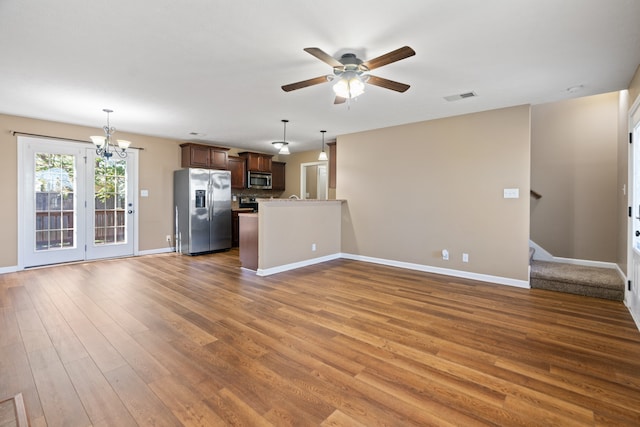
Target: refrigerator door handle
x=210, y=196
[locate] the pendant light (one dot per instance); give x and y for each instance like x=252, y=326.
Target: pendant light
x=283, y=145
x=323, y=154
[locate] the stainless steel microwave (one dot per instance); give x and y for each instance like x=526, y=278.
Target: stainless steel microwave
x=259, y=180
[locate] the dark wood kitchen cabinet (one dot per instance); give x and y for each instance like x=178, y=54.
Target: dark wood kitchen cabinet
x=203, y=156
x=235, y=225
x=238, y=168
x=278, y=176
x=257, y=162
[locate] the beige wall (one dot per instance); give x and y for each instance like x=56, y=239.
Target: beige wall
x=287, y=229
x=157, y=161
x=574, y=160
x=416, y=189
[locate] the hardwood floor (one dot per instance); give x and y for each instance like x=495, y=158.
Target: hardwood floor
x=178, y=340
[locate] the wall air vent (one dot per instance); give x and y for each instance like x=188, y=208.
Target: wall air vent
x=460, y=96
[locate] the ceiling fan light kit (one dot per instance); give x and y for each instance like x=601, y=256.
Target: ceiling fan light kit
x=349, y=86
x=352, y=73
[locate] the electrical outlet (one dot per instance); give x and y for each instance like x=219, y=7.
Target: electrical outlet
x=445, y=255
x=313, y=247
x=465, y=257
x=168, y=238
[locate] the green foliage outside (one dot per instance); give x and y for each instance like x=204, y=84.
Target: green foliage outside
x=110, y=179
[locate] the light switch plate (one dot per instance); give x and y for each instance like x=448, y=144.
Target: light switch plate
x=144, y=193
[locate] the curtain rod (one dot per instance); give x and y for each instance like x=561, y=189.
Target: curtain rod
x=17, y=132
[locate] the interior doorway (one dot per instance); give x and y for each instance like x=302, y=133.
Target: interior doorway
x=314, y=180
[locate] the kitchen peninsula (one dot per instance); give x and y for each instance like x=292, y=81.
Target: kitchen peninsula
x=290, y=234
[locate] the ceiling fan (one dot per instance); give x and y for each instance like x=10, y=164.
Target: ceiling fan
x=352, y=73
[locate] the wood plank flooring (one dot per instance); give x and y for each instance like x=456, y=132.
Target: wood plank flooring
x=170, y=340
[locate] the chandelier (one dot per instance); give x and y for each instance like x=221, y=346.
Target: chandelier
x=105, y=146
x=283, y=145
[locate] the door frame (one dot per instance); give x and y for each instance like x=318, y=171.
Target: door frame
x=83, y=146
x=633, y=124
x=303, y=178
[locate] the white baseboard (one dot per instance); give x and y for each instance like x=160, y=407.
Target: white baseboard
x=445, y=271
x=634, y=316
x=392, y=263
x=585, y=262
x=406, y=265
x=155, y=251
x=293, y=266
x=10, y=269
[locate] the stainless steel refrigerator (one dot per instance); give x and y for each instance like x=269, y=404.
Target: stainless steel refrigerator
x=202, y=199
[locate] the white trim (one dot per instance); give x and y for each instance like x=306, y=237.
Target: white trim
x=303, y=178
x=585, y=262
x=294, y=265
x=155, y=251
x=635, y=318
x=10, y=269
x=633, y=120
x=540, y=253
x=406, y=265
x=437, y=270
x=136, y=203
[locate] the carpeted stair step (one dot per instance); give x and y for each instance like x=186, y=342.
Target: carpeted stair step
x=577, y=279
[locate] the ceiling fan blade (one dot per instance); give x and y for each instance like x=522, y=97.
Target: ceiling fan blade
x=304, y=83
x=388, y=58
x=323, y=56
x=340, y=100
x=387, y=84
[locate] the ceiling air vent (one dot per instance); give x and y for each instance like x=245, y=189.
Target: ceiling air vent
x=460, y=96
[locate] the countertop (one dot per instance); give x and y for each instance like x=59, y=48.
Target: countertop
x=300, y=200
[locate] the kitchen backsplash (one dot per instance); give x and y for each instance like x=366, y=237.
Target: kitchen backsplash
x=258, y=194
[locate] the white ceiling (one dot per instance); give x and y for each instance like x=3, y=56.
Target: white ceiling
x=168, y=68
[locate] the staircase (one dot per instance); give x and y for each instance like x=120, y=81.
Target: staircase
x=577, y=279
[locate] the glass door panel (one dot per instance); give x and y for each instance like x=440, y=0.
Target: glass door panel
x=52, y=230
x=62, y=218
x=111, y=195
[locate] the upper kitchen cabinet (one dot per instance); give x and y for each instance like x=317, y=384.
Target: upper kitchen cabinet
x=203, y=156
x=257, y=162
x=238, y=168
x=278, y=176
